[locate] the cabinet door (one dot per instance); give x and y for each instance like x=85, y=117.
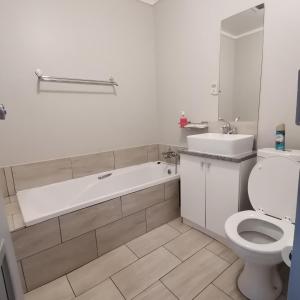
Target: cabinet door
x=192, y=178
x=222, y=193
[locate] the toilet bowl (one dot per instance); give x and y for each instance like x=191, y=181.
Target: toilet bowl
x=259, y=236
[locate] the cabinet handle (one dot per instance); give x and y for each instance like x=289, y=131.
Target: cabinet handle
x=202, y=164
x=208, y=165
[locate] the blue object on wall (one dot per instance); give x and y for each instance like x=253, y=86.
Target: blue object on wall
x=294, y=284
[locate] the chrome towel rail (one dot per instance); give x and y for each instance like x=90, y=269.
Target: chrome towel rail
x=41, y=77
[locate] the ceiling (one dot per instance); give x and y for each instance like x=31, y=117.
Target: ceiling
x=243, y=22
x=151, y=2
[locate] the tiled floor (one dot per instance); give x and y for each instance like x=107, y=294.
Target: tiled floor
x=171, y=262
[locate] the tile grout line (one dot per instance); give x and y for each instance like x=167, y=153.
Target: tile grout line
x=21, y=264
x=123, y=296
x=181, y=261
x=230, y=263
x=168, y=288
x=158, y=246
x=70, y=285
x=140, y=259
x=222, y=291
x=109, y=277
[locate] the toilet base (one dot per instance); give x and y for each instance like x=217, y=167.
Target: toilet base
x=258, y=282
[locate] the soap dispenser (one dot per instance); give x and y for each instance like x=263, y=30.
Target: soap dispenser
x=183, y=121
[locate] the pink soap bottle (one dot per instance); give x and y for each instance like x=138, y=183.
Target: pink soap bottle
x=183, y=121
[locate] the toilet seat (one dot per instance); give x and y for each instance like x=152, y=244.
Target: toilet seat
x=233, y=222
x=273, y=187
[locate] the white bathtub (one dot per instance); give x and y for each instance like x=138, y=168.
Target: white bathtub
x=46, y=202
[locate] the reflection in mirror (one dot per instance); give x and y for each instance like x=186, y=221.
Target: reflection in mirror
x=240, y=65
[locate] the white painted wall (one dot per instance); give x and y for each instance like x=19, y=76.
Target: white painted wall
x=86, y=39
x=187, y=60
x=99, y=38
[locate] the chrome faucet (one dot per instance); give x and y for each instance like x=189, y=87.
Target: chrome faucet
x=172, y=154
x=228, y=128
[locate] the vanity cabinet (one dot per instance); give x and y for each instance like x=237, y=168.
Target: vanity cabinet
x=212, y=190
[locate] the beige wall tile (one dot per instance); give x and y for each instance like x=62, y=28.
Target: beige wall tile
x=3, y=184
x=120, y=232
x=92, y=164
x=156, y=292
x=140, y=275
x=192, y=276
x=57, y=289
x=153, y=154
x=212, y=293
x=131, y=156
x=172, y=190
x=10, y=181
x=142, y=199
x=227, y=282
x=162, y=213
x=100, y=269
x=6, y=200
x=50, y=264
x=193, y=238
x=222, y=251
x=18, y=221
x=152, y=240
x=165, y=148
x=104, y=291
x=41, y=173
x=179, y=225
x=33, y=239
x=22, y=277
x=88, y=219
x=10, y=222
x=12, y=208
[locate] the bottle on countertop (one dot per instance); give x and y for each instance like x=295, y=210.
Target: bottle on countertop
x=280, y=137
x=183, y=121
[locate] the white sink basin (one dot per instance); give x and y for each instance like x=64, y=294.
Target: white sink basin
x=230, y=145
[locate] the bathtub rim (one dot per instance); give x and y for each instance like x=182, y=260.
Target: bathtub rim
x=45, y=217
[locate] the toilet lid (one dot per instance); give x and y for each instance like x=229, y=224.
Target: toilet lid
x=273, y=187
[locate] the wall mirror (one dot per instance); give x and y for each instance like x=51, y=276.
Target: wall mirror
x=241, y=64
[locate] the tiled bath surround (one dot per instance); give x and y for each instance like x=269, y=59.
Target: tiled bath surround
x=65, y=243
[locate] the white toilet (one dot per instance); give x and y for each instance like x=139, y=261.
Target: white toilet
x=259, y=236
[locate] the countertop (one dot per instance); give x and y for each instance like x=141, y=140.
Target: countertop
x=236, y=159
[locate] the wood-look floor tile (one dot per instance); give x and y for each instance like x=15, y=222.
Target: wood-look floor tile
x=179, y=225
x=104, y=291
x=188, y=244
x=212, y=293
x=140, y=275
x=152, y=240
x=227, y=282
x=157, y=291
x=222, y=251
x=100, y=269
x=58, y=289
x=192, y=276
